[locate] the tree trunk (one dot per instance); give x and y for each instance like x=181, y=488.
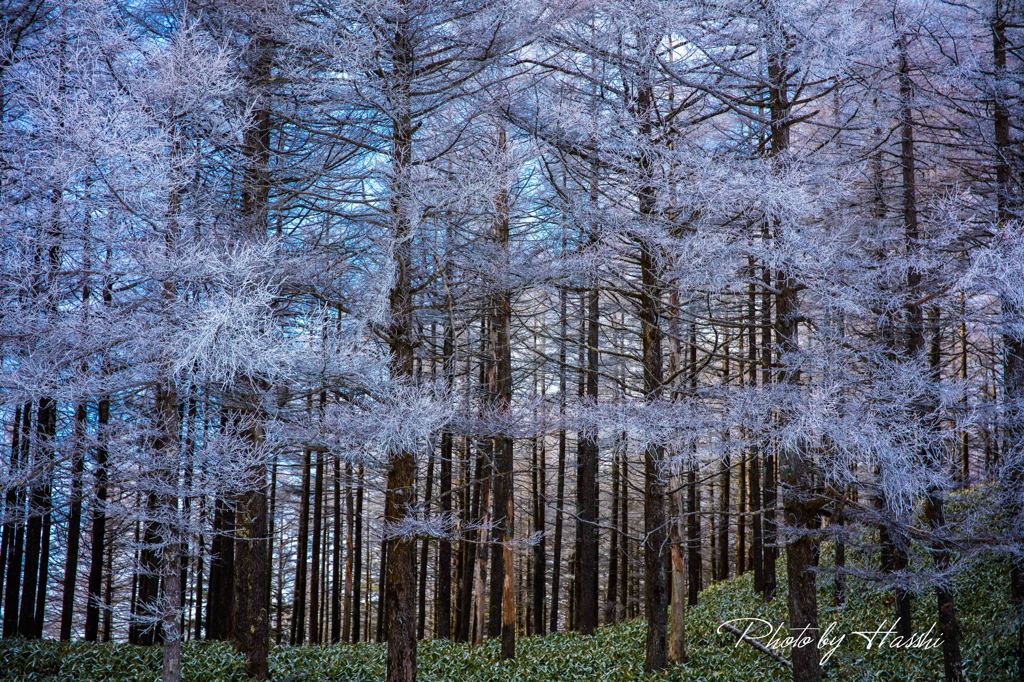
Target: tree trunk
x=219, y=594
x=677, y=611
x=611, y=601
x=34, y=567
x=298, y=629
x=346, y=633
x=336, y=574
x=400, y=495
x=768, y=515
x=357, y=561
x=12, y=590
x=421, y=625
x=170, y=532
x=655, y=536
x=587, y=491
x=503, y=603
x=74, y=524
x=556, y=563
x=795, y=470
x=314, y=581
x=251, y=617
x=443, y=598
x=1013, y=374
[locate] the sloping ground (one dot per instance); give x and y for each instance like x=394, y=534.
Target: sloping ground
x=614, y=653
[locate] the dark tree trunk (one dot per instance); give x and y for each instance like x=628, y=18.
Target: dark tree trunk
x=539, y=563
x=724, y=494
x=769, y=551
x=357, y=560
x=421, y=625
x=251, y=617
x=336, y=574
x=74, y=524
x=346, y=629
x=586, y=486
x=108, y=594
x=10, y=499
x=556, y=563
x=655, y=536
x=298, y=628
x=400, y=495
x=314, y=581
x=1013, y=375
x=142, y=630
x=443, y=598
x=222, y=572
x=612, y=606
x=12, y=591
x=34, y=566
x=839, y=578
x=914, y=313
x=472, y=492
x=624, y=555
x=795, y=470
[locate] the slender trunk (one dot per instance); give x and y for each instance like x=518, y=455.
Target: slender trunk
x=839, y=578
x=655, y=536
x=934, y=511
x=298, y=629
x=1013, y=374
x=34, y=567
x=400, y=495
x=314, y=581
x=769, y=552
x=357, y=561
x=346, y=632
x=222, y=572
x=725, y=484
x=74, y=524
x=624, y=555
x=503, y=602
x=336, y=575
x=587, y=491
x=251, y=613
x=611, y=602
x=481, y=557
x=473, y=489
x=556, y=563
x=108, y=594
x=170, y=532
x=421, y=625
x=795, y=470
x=677, y=609
x=12, y=590
x=444, y=549
x=913, y=312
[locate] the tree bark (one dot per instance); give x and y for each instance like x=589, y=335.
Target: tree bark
x=357, y=561
x=400, y=495
x=795, y=470
x=74, y=524
x=298, y=627
x=556, y=563
x=12, y=590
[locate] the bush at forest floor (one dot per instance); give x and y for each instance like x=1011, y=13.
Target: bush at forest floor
x=614, y=653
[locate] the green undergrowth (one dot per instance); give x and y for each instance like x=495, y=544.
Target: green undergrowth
x=614, y=653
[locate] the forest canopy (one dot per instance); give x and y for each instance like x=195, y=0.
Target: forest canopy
x=400, y=320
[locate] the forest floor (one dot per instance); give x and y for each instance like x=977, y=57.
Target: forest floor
x=613, y=653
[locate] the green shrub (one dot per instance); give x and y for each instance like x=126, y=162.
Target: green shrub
x=613, y=654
